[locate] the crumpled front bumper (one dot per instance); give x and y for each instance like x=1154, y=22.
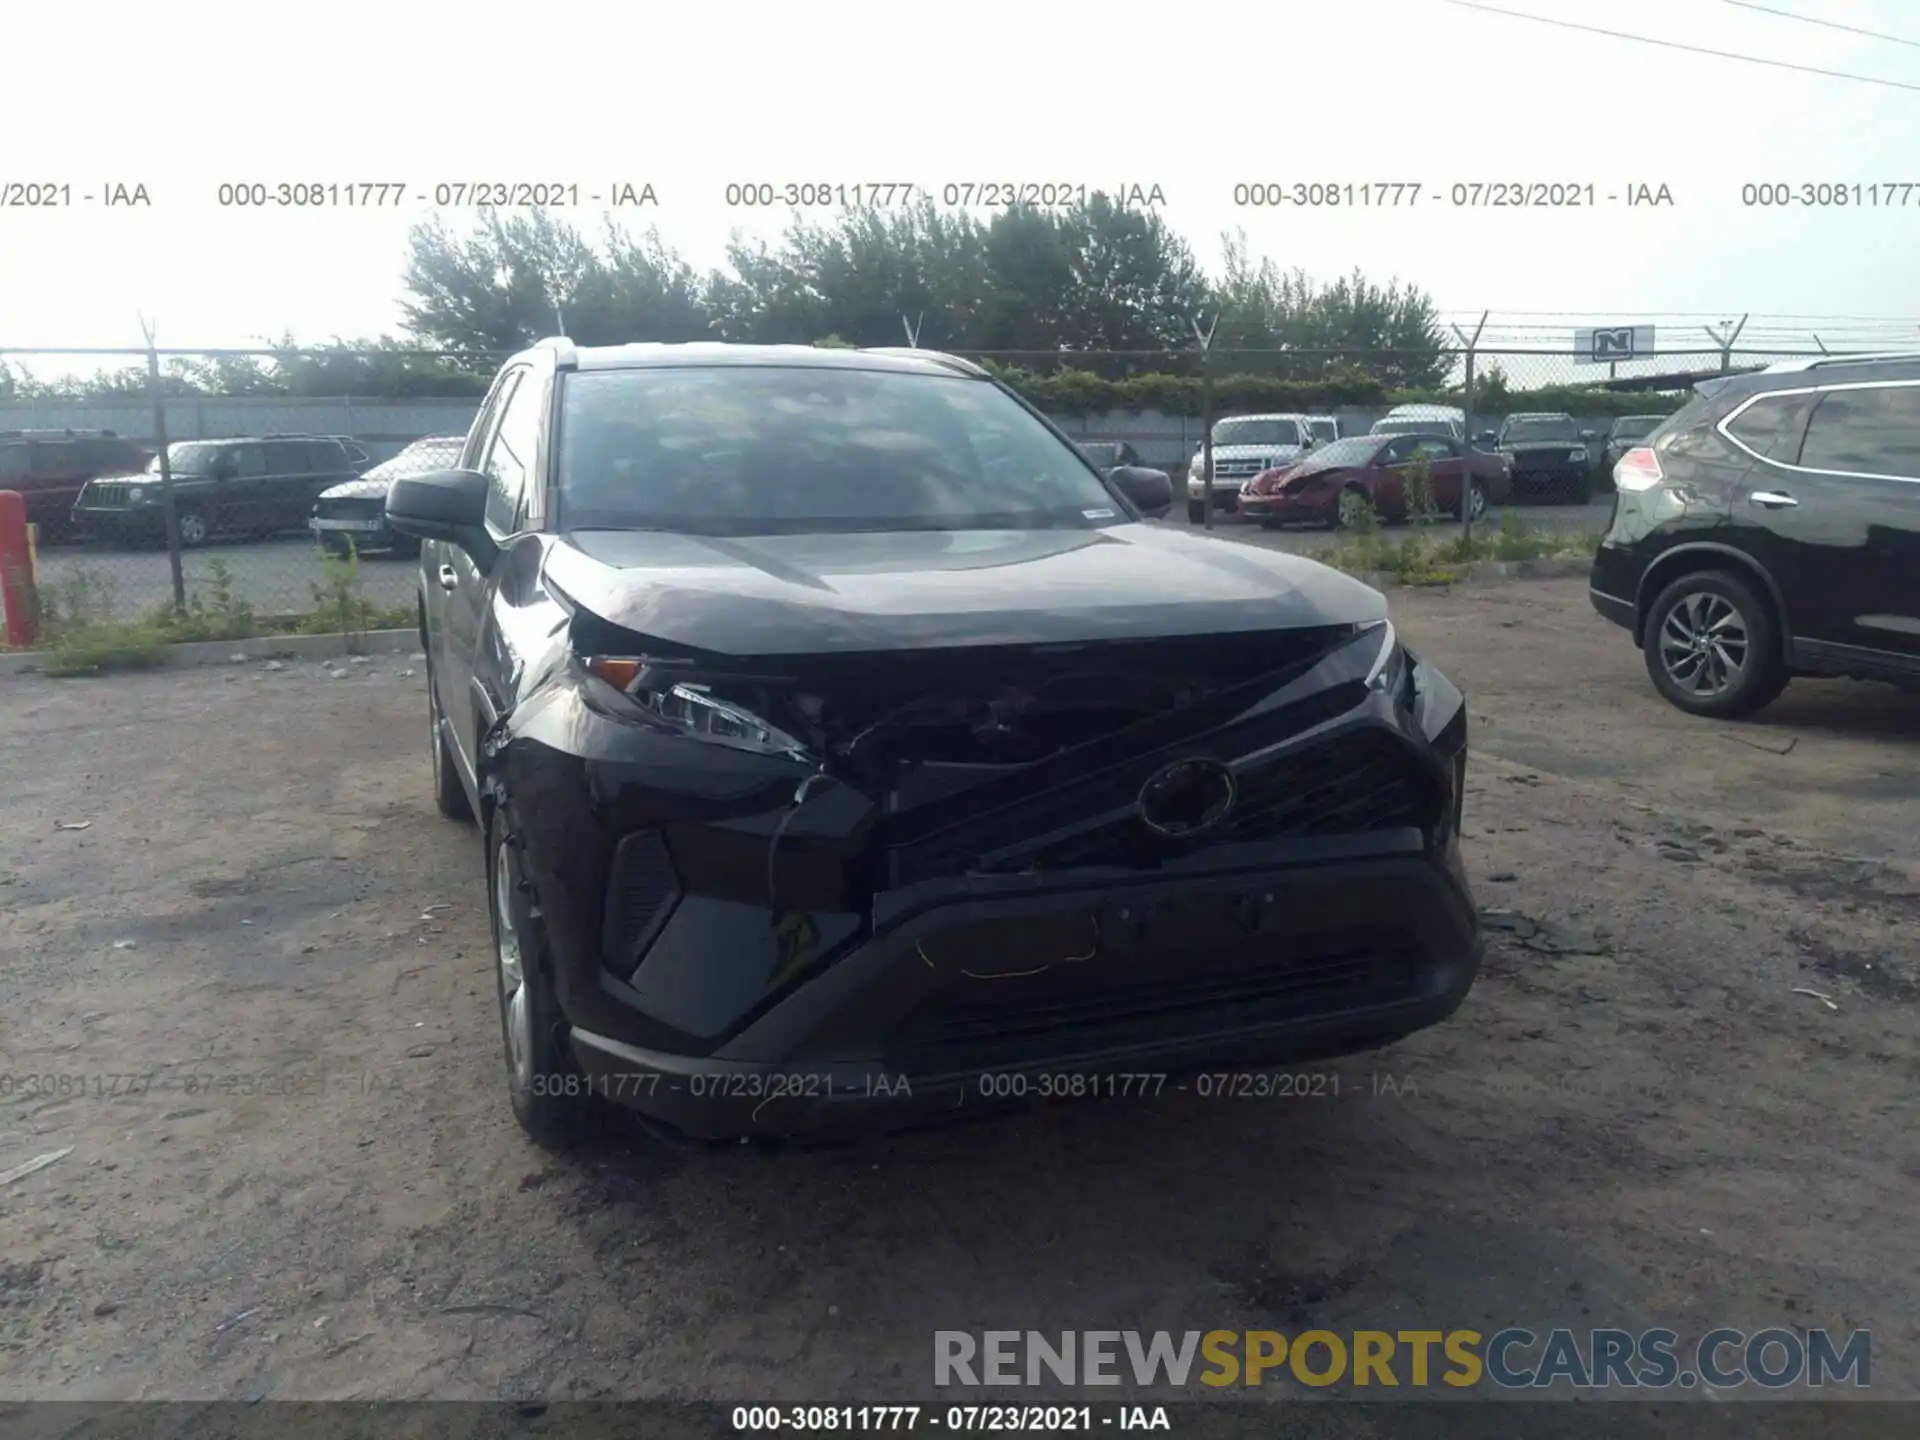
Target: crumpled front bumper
x=730, y=966
x=1294, y=965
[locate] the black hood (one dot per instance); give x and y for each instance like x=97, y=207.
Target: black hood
x=821, y=594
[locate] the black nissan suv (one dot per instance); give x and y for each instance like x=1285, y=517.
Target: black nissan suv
x=847, y=750
x=1771, y=529
x=247, y=485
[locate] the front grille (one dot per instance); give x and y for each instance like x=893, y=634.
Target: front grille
x=1364, y=782
x=351, y=507
x=1239, y=469
x=1156, y=997
x=105, y=494
x=1346, y=975
x=1353, y=785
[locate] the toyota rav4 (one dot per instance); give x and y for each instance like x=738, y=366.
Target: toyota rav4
x=846, y=750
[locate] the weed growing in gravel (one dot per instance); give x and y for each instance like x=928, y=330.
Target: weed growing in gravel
x=1432, y=556
x=83, y=637
x=339, y=607
x=94, y=649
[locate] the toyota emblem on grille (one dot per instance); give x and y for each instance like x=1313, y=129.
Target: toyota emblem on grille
x=1187, y=798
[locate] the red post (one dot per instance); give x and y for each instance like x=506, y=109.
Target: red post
x=16, y=571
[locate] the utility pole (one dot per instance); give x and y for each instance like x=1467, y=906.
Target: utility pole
x=1723, y=337
x=1468, y=448
x=166, y=468
x=1205, y=337
x=912, y=327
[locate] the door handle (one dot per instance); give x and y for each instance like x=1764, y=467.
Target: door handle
x=1773, y=500
x=448, y=577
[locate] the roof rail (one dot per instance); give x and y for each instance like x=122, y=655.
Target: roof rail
x=938, y=357
x=1867, y=358
x=565, y=355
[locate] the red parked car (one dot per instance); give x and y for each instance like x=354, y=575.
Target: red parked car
x=1330, y=485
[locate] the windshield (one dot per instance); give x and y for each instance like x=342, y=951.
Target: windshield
x=765, y=450
x=189, y=457
x=1356, y=450
x=1635, y=427
x=1253, y=431
x=1410, y=427
x=1521, y=431
x=418, y=458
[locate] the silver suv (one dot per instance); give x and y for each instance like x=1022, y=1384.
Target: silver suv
x=1243, y=447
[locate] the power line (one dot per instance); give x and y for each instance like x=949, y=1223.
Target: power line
x=1690, y=49
x=1825, y=24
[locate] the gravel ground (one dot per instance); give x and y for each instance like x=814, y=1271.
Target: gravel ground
x=1634, y=1120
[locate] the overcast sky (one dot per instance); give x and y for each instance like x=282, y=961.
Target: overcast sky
x=1194, y=99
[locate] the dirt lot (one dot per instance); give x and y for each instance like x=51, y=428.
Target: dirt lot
x=1635, y=1120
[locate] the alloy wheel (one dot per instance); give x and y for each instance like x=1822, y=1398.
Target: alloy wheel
x=1476, y=500
x=193, y=529
x=1704, y=644
x=1352, y=506
x=513, y=978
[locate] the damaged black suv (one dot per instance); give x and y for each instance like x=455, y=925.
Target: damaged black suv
x=848, y=751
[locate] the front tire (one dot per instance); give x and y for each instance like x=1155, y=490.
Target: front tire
x=549, y=1094
x=193, y=528
x=1476, y=502
x=1348, y=509
x=1712, y=648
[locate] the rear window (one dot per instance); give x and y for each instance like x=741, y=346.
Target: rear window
x=1685, y=418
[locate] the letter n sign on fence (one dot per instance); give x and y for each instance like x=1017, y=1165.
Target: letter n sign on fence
x=1603, y=345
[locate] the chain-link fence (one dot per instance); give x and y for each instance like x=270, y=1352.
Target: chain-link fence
x=251, y=473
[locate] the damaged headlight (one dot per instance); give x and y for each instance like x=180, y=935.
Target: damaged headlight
x=646, y=692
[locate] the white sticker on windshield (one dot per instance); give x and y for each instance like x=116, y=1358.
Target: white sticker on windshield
x=1098, y=514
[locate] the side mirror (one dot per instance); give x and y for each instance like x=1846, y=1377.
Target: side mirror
x=448, y=505
x=1150, y=491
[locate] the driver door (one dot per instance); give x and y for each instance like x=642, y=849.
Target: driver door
x=1448, y=469
x=1389, y=476
x=506, y=458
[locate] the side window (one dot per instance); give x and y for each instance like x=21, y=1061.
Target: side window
x=480, y=436
x=509, y=458
x=1771, y=426
x=246, y=462
x=1866, y=432
x=1435, y=450
x=1399, y=451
